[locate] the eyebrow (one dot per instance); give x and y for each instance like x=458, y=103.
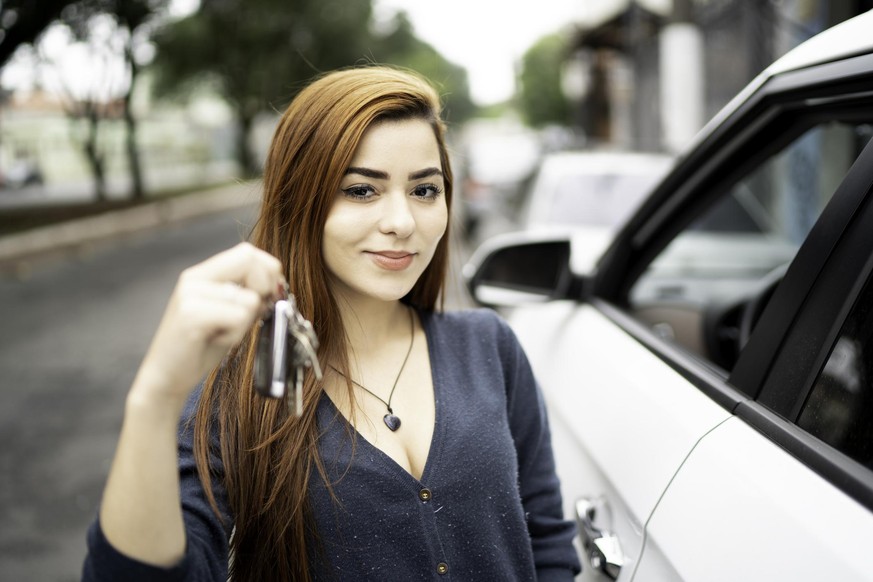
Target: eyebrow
x=425, y=173
x=375, y=174
x=380, y=175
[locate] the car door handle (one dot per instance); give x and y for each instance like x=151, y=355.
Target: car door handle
x=601, y=546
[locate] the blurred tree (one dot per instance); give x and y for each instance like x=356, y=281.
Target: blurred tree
x=22, y=23
x=542, y=100
x=259, y=53
x=88, y=102
x=399, y=46
x=89, y=105
x=136, y=17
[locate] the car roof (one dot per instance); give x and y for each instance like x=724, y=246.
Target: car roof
x=849, y=38
x=846, y=39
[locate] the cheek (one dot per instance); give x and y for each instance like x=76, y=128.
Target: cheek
x=335, y=236
x=436, y=223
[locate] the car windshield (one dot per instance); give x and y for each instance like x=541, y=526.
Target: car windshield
x=598, y=199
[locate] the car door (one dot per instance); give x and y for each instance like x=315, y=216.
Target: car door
x=622, y=422
x=784, y=490
x=727, y=278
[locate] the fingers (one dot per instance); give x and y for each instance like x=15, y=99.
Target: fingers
x=244, y=265
x=217, y=309
x=225, y=321
x=213, y=306
x=231, y=293
x=220, y=298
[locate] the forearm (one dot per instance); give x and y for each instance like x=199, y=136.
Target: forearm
x=211, y=309
x=141, y=514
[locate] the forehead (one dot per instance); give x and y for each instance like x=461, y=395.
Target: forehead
x=408, y=142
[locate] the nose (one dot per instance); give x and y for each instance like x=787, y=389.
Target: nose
x=397, y=217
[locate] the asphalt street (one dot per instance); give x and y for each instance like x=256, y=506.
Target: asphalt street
x=71, y=338
x=72, y=335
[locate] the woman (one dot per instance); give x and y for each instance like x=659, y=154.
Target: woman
x=423, y=452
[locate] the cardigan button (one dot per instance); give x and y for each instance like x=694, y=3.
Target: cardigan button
x=442, y=568
x=425, y=495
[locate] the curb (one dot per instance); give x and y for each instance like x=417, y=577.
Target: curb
x=18, y=249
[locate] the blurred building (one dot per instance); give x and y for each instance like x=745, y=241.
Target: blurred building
x=656, y=70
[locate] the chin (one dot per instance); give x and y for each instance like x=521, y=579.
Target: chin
x=393, y=294
x=377, y=289
x=385, y=287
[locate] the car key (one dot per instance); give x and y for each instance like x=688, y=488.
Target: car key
x=286, y=346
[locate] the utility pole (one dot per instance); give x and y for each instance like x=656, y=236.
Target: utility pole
x=681, y=79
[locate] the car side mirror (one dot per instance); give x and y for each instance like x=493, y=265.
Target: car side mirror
x=518, y=269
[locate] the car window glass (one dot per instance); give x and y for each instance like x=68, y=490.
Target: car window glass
x=706, y=287
x=598, y=199
x=839, y=409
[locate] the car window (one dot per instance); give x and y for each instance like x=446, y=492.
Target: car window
x=705, y=289
x=839, y=408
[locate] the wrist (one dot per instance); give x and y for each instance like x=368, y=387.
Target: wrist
x=152, y=393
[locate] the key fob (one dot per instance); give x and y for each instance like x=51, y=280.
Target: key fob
x=286, y=346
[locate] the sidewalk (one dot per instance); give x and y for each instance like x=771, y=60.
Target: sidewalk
x=19, y=249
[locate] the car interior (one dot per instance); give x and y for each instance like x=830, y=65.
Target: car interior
x=706, y=289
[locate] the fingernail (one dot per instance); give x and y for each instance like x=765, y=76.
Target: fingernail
x=282, y=289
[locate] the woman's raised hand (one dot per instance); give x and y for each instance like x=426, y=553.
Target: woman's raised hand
x=212, y=307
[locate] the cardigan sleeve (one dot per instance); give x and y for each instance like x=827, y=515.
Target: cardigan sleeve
x=206, y=535
x=551, y=535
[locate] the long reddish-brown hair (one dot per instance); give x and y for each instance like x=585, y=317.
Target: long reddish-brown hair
x=268, y=456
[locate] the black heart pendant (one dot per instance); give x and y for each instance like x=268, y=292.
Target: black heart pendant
x=391, y=421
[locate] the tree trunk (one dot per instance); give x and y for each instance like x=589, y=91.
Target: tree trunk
x=95, y=157
x=245, y=156
x=137, y=191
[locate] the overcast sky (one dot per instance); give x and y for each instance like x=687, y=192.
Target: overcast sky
x=487, y=37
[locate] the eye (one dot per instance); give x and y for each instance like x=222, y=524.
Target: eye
x=359, y=192
x=427, y=191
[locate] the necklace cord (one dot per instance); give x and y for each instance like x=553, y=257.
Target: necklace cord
x=397, y=379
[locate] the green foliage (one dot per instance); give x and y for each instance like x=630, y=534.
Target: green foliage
x=260, y=52
x=542, y=100
x=129, y=14
x=23, y=21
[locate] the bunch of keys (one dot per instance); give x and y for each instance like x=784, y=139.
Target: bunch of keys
x=286, y=347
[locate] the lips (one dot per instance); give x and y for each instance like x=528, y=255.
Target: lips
x=392, y=260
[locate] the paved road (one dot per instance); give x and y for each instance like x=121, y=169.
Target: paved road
x=71, y=338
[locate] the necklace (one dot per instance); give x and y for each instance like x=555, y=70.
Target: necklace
x=391, y=420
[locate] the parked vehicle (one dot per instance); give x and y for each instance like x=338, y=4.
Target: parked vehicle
x=591, y=189
x=710, y=378
x=21, y=172
x=591, y=193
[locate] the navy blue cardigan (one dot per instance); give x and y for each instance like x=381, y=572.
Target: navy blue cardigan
x=487, y=506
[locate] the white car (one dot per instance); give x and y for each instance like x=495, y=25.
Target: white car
x=710, y=378
x=590, y=193
x=591, y=189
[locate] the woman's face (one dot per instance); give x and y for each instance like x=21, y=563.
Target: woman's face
x=389, y=213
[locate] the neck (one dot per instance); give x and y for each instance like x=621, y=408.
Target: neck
x=372, y=325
